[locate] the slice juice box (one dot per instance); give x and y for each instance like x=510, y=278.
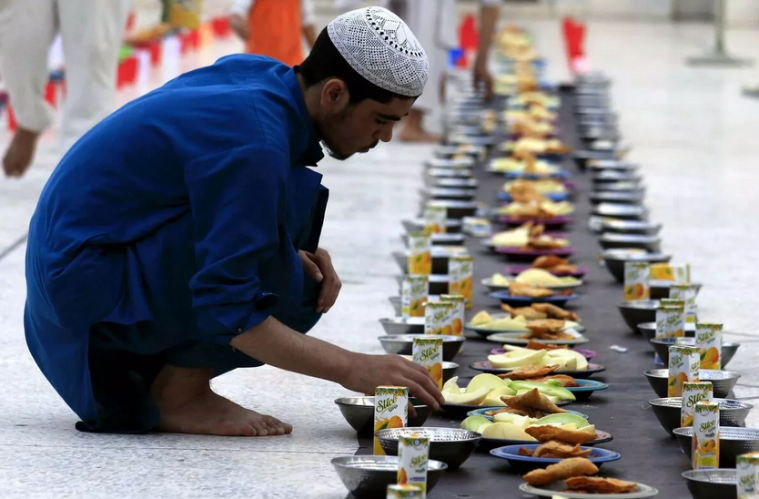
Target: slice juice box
x=390, y=411
x=636, y=281
x=419, y=253
x=428, y=352
x=413, y=456
x=747, y=469
x=706, y=436
x=414, y=295
x=438, y=318
x=694, y=393
x=709, y=343
x=684, y=366
x=460, y=269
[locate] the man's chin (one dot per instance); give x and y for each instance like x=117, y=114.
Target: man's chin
x=335, y=154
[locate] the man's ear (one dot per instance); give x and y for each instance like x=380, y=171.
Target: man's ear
x=334, y=94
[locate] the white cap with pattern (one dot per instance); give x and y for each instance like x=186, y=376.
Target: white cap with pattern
x=379, y=46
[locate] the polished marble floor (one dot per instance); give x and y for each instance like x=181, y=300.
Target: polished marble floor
x=692, y=133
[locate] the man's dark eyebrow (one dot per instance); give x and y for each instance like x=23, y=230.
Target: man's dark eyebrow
x=391, y=117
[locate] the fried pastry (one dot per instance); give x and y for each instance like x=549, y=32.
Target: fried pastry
x=546, y=433
x=536, y=345
x=546, y=262
x=554, y=312
x=528, y=372
x=568, y=468
x=598, y=485
x=519, y=289
x=532, y=400
x=528, y=313
x=556, y=449
x=524, y=451
x=550, y=324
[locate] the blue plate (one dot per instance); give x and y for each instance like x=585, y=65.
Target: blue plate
x=556, y=197
x=586, y=388
x=525, y=301
x=597, y=456
x=562, y=174
x=481, y=412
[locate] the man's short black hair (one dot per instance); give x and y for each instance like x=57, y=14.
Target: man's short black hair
x=326, y=62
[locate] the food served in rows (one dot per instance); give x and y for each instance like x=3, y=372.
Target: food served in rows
x=527, y=166
x=527, y=235
x=554, y=264
x=546, y=332
x=598, y=485
x=565, y=469
x=541, y=374
x=533, y=210
x=555, y=449
x=545, y=434
x=541, y=277
x=514, y=425
x=546, y=310
x=490, y=390
x=536, y=146
x=533, y=400
x=528, y=290
x=511, y=322
x=518, y=357
x=542, y=186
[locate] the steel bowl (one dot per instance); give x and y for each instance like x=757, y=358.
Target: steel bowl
x=403, y=325
x=457, y=209
x=367, y=477
x=622, y=211
x=449, y=194
x=711, y=484
x=630, y=227
x=615, y=259
x=440, y=257
x=402, y=344
x=437, y=284
x=722, y=381
x=733, y=441
x=634, y=197
x=359, y=413
x=660, y=289
x=611, y=240
x=638, y=311
x=608, y=177
x=731, y=412
x=648, y=330
x=455, y=239
x=661, y=346
x=465, y=162
x=451, y=226
x=452, y=446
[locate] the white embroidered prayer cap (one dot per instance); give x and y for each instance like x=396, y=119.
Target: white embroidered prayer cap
x=379, y=46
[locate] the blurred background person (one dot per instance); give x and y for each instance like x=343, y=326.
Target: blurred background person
x=92, y=33
x=275, y=28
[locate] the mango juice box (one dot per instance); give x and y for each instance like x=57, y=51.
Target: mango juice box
x=687, y=293
x=413, y=456
x=404, y=492
x=670, y=323
x=390, y=411
x=438, y=318
x=419, y=253
x=414, y=295
x=709, y=343
x=706, y=436
x=693, y=393
x=434, y=219
x=684, y=366
x=457, y=323
x=678, y=273
x=460, y=272
x=428, y=352
x=636, y=281
x=747, y=471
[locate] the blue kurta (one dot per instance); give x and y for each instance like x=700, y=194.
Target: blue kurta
x=169, y=228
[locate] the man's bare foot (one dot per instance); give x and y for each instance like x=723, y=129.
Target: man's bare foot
x=188, y=405
x=413, y=130
x=18, y=158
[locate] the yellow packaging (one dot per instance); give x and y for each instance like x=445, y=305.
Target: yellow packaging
x=404, y=492
x=459, y=302
x=636, y=281
x=438, y=318
x=390, y=411
x=693, y=393
x=747, y=470
x=419, y=253
x=413, y=456
x=667, y=272
x=706, y=436
x=414, y=295
x=428, y=352
x=709, y=343
x=684, y=365
x=434, y=219
x=670, y=321
x=687, y=293
x=460, y=269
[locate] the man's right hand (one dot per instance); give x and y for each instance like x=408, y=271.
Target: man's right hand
x=239, y=25
x=367, y=372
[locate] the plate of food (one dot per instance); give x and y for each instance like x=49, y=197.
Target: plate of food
x=535, y=210
x=527, y=169
x=489, y=412
x=531, y=376
x=542, y=372
x=519, y=295
x=524, y=458
x=547, y=335
x=533, y=277
x=486, y=324
x=520, y=189
x=541, y=148
x=536, y=345
x=553, y=264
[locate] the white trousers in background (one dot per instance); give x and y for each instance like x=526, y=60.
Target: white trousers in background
x=92, y=33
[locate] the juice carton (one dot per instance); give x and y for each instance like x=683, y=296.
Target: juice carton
x=636, y=281
x=390, y=411
x=670, y=323
x=694, y=393
x=706, y=436
x=684, y=365
x=460, y=273
x=747, y=469
x=709, y=343
x=459, y=303
x=404, y=492
x=435, y=218
x=428, y=352
x=438, y=318
x=687, y=293
x=414, y=294
x=413, y=456
x=419, y=253
x=679, y=273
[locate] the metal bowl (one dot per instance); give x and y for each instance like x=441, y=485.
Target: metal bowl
x=455, y=239
x=359, y=413
x=457, y=209
x=661, y=346
x=708, y=484
x=630, y=227
x=452, y=446
x=402, y=344
x=465, y=162
x=611, y=240
x=440, y=257
x=648, y=330
x=660, y=289
x=451, y=226
x=437, y=284
x=623, y=211
x=615, y=259
x=638, y=311
x=403, y=325
x=635, y=197
x=608, y=177
x=367, y=477
x=731, y=412
x=722, y=381
x=733, y=441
